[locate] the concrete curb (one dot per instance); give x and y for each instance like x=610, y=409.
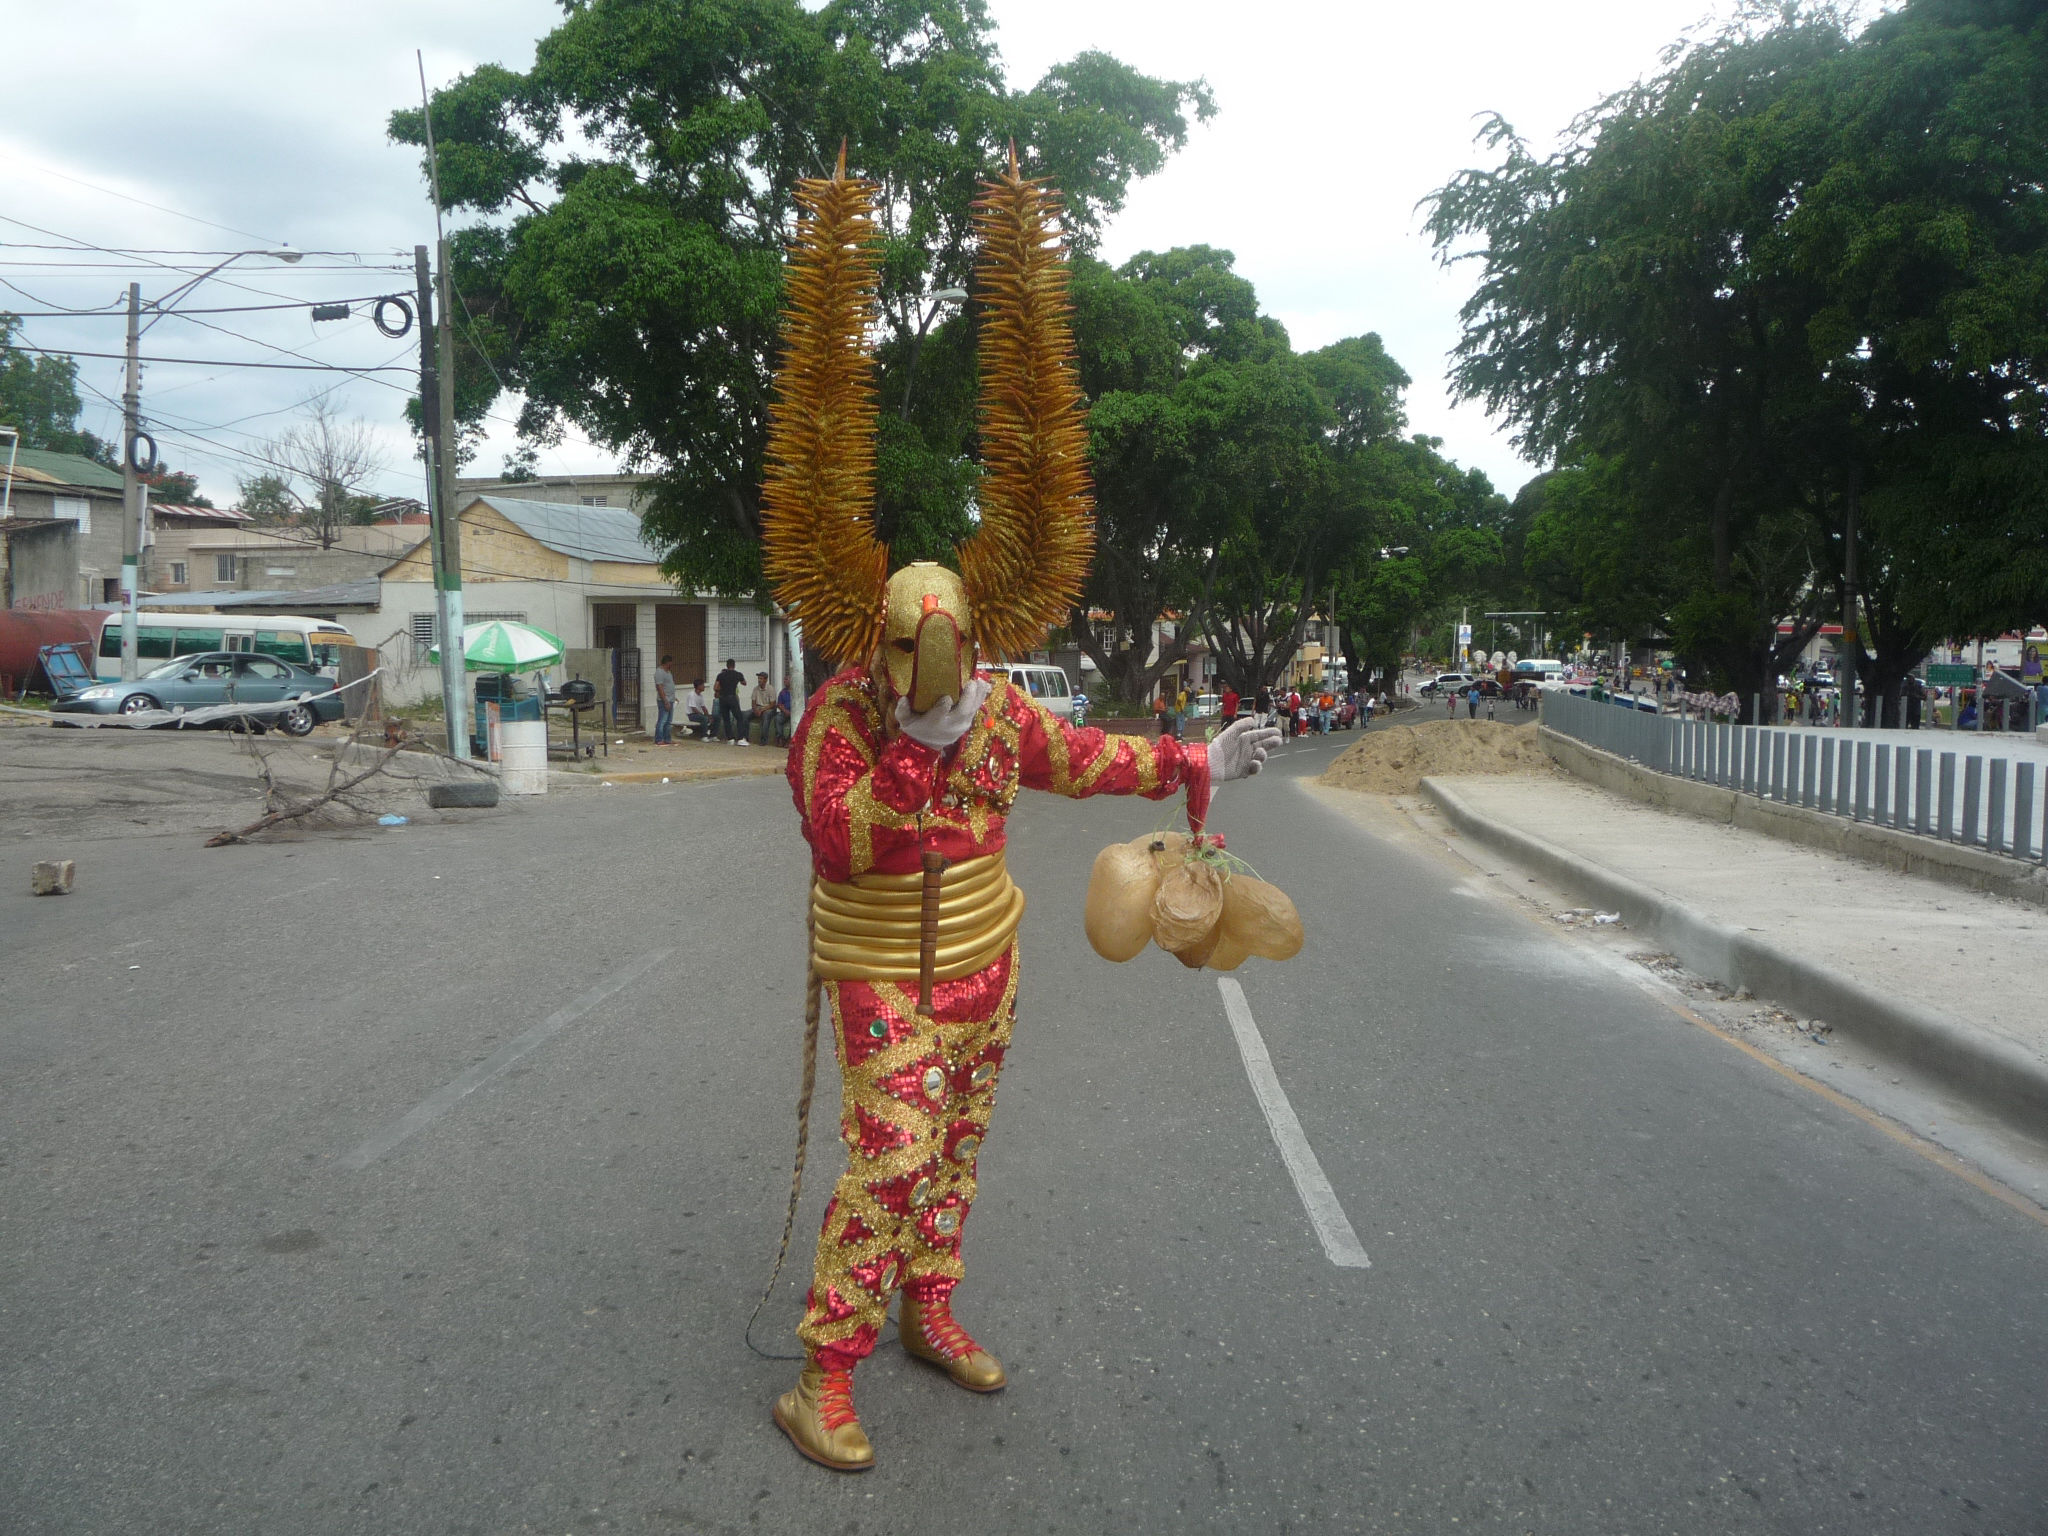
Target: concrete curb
x=2001, y=1077
x=1973, y=869
x=679, y=775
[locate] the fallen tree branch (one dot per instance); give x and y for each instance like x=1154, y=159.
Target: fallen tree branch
x=336, y=790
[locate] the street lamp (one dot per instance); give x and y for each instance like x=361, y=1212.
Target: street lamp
x=133, y=494
x=942, y=297
x=162, y=306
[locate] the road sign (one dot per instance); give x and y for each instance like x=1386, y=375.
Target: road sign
x=1950, y=674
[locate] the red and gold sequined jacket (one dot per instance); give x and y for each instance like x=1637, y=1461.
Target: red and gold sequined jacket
x=862, y=793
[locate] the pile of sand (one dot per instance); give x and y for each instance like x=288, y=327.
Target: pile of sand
x=1394, y=762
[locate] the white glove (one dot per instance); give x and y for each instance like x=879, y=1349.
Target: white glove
x=946, y=721
x=1240, y=751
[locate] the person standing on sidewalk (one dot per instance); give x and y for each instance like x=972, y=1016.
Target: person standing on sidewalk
x=725, y=689
x=664, y=703
x=1472, y=703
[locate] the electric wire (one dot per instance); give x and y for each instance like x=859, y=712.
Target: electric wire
x=114, y=306
x=367, y=374
x=144, y=250
x=216, y=276
x=211, y=362
x=150, y=266
x=117, y=308
x=144, y=202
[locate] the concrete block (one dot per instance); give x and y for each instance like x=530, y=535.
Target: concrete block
x=52, y=877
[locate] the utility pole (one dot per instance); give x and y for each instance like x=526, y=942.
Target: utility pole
x=446, y=526
x=434, y=399
x=448, y=596
x=131, y=484
x=451, y=524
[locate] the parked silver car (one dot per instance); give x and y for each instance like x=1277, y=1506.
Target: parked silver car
x=216, y=677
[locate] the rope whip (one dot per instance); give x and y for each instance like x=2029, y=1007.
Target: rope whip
x=813, y=987
x=934, y=866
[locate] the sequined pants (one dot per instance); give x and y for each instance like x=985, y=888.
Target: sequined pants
x=918, y=1093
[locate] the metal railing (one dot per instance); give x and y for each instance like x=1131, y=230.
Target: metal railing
x=1981, y=800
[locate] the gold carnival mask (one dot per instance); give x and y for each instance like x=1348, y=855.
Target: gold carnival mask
x=927, y=635
x=1022, y=569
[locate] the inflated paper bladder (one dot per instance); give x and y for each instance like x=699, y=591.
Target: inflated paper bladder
x=1120, y=892
x=1201, y=909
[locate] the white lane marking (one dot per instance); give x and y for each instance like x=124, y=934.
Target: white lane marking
x=449, y=1094
x=1333, y=1228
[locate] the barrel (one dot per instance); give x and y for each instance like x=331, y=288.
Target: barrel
x=24, y=631
x=523, y=757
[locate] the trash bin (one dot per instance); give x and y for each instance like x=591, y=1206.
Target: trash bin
x=517, y=700
x=523, y=757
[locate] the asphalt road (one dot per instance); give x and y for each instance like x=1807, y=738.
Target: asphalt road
x=1624, y=1279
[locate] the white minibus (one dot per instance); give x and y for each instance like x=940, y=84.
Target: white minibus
x=1048, y=685
x=160, y=636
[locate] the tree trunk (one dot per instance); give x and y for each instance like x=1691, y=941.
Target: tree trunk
x=1724, y=542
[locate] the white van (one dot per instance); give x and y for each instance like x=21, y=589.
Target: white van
x=1048, y=685
x=1542, y=670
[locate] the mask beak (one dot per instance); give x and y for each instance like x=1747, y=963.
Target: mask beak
x=935, y=673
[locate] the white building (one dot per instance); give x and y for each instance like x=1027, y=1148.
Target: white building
x=584, y=574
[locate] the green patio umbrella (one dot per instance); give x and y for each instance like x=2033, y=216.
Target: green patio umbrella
x=503, y=646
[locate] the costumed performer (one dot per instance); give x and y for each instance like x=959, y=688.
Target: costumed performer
x=907, y=761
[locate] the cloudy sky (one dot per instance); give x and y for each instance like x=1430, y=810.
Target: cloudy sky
x=232, y=125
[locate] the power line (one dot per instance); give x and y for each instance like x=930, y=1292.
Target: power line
x=146, y=250
x=152, y=266
x=216, y=275
x=112, y=306
x=176, y=314
x=216, y=362
x=145, y=203
x=275, y=347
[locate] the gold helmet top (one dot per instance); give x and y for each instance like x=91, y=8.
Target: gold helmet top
x=1022, y=569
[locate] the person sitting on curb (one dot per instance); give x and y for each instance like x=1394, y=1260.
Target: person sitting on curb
x=761, y=705
x=697, y=711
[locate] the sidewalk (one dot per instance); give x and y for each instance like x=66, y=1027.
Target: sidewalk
x=1949, y=981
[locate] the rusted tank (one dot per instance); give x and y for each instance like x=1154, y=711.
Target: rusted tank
x=25, y=631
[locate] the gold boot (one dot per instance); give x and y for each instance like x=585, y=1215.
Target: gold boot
x=817, y=1415
x=930, y=1334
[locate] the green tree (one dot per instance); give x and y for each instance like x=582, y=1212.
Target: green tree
x=267, y=498
x=1918, y=155
x=175, y=487
x=1620, y=313
x=641, y=175
x=39, y=397
x=1791, y=293
x=1142, y=333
